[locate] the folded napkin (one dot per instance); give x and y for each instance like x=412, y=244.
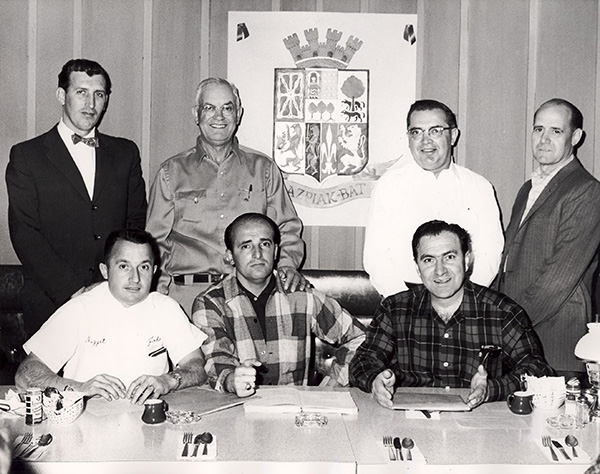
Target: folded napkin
x=13, y=403
x=22, y=449
x=417, y=456
x=583, y=457
x=211, y=452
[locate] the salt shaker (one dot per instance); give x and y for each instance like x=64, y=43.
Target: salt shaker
x=573, y=392
x=583, y=411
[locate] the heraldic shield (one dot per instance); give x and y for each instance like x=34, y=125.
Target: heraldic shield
x=321, y=121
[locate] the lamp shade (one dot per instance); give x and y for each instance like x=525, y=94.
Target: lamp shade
x=588, y=347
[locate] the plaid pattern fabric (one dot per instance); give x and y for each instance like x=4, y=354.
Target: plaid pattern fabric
x=226, y=315
x=407, y=336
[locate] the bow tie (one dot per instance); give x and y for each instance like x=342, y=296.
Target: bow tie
x=91, y=141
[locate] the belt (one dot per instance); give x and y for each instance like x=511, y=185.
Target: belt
x=198, y=278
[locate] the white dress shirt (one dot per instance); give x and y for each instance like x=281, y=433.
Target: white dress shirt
x=406, y=197
x=83, y=155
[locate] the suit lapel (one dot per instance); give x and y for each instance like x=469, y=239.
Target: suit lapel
x=104, y=165
x=551, y=188
x=58, y=154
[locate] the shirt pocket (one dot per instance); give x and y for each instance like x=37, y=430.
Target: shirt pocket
x=190, y=206
x=252, y=198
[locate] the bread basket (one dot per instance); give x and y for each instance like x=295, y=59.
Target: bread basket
x=70, y=411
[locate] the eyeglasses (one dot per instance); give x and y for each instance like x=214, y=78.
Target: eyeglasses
x=433, y=132
x=227, y=110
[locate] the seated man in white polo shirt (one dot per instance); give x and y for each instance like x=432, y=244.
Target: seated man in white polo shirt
x=116, y=339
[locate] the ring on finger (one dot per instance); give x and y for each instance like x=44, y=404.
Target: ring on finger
x=248, y=386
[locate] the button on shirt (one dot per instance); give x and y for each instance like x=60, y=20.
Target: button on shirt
x=408, y=336
x=83, y=155
x=409, y=196
x=193, y=199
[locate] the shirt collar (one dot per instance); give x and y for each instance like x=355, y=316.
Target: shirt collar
x=66, y=133
x=537, y=179
x=201, y=152
x=264, y=295
x=451, y=170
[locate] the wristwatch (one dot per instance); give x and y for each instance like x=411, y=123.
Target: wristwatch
x=177, y=377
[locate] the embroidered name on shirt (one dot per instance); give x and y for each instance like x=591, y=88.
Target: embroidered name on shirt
x=95, y=342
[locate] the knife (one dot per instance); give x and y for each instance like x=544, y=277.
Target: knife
x=398, y=446
x=561, y=449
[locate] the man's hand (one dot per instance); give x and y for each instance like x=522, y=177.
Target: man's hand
x=242, y=381
x=383, y=388
x=292, y=280
x=478, y=393
x=146, y=386
x=106, y=386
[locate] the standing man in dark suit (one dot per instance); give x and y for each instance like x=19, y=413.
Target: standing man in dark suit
x=553, y=236
x=68, y=189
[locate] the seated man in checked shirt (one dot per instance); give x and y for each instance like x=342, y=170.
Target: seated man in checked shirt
x=433, y=335
x=257, y=333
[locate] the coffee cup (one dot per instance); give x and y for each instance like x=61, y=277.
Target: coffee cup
x=520, y=403
x=155, y=411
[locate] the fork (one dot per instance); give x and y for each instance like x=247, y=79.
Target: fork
x=388, y=443
x=27, y=438
x=546, y=441
x=187, y=439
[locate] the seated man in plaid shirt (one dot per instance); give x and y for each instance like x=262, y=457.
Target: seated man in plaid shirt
x=433, y=334
x=257, y=333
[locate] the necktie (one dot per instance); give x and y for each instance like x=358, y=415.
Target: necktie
x=91, y=141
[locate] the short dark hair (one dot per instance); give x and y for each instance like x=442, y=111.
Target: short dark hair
x=576, y=120
x=91, y=68
x=248, y=218
x=430, y=104
x=136, y=236
x=433, y=228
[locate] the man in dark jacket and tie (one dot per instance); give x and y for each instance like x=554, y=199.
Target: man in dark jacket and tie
x=68, y=189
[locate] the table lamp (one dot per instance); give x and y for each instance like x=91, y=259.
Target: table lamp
x=588, y=350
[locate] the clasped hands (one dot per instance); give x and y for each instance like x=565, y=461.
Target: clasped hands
x=383, y=388
x=145, y=386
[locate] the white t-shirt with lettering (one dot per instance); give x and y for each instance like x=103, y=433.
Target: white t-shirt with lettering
x=95, y=334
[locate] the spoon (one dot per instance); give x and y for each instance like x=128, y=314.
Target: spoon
x=197, y=442
x=45, y=440
x=571, y=441
x=408, y=444
x=206, y=438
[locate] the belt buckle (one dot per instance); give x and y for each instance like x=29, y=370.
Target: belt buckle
x=188, y=279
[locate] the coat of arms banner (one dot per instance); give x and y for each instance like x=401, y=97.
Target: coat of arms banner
x=330, y=110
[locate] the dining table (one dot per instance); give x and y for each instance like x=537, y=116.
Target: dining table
x=110, y=437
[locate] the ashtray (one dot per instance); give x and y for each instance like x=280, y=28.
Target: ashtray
x=178, y=417
x=562, y=422
x=310, y=419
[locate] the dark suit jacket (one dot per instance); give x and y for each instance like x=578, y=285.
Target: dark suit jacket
x=550, y=258
x=57, y=231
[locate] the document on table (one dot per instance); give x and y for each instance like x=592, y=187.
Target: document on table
x=291, y=400
x=428, y=401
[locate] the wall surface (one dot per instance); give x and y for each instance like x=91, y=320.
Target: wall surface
x=492, y=62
